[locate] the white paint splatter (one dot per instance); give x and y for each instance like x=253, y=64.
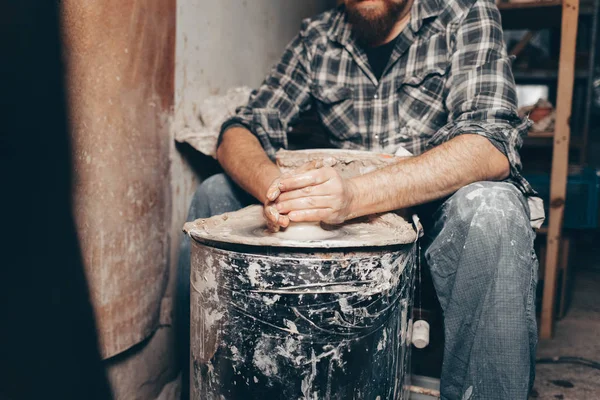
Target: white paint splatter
x=270, y=301
x=404, y=322
x=292, y=328
x=210, y=279
x=468, y=393
x=480, y=192
x=236, y=357
x=307, y=382
x=290, y=350
x=264, y=358
x=254, y=273
x=383, y=341
x=211, y=317
x=345, y=307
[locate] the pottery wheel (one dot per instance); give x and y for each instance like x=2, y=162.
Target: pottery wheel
x=248, y=227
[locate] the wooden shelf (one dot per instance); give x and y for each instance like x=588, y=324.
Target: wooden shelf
x=529, y=4
x=532, y=15
x=544, y=74
x=540, y=135
x=546, y=139
x=586, y=8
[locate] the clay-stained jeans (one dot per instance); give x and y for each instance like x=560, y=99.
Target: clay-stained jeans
x=479, y=246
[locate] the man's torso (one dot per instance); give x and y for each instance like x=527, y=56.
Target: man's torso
x=403, y=108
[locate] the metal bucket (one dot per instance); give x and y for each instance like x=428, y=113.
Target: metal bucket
x=318, y=319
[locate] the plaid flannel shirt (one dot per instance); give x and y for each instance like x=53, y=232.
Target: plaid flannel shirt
x=449, y=74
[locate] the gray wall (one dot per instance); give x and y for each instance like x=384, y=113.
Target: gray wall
x=220, y=45
x=230, y=43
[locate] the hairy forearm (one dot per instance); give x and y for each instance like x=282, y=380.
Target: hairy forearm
x=243, y=158
x=433, y=175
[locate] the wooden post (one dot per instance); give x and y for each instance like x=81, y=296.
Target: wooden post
x=565, y=247
x=560, y=159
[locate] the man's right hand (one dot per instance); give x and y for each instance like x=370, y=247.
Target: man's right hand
x=275, y=220
x=256, y=173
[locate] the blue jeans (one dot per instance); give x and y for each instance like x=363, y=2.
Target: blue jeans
x=479, y=248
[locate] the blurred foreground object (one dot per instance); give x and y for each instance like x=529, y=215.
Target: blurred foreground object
x=48, y=338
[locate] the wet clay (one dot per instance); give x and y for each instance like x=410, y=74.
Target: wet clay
x=348, y=163
x=248, y=226
x=303, y=231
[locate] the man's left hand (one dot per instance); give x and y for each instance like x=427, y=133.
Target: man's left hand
x=320, y=194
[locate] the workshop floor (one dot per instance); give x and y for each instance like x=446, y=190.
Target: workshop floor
x=576, y=335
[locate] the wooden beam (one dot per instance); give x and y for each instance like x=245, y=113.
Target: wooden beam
x=527, y=4
x=522, y=44
x=532, y=15
x=560, y=160
x=565, y=247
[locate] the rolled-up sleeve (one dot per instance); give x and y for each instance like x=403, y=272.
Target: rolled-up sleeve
x=278, y=101
x=481, y=90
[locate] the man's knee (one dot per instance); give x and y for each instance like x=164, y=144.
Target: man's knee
x=483, y=242
x=482, y=226
x=215, y=186
x=493, y=209
x=215, y=195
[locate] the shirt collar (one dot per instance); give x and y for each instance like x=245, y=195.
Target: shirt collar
x=422, y=10
x=341, y=30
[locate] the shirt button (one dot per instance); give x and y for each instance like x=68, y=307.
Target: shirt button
x=376, y=136
x=375, y=96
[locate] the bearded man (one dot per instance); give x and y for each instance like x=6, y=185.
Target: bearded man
x=433, y=77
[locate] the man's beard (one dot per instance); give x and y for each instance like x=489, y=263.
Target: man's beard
x=372, y=25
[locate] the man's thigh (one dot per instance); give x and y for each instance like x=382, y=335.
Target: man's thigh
x=217, y=195
x=478, y=225
x=494, y=203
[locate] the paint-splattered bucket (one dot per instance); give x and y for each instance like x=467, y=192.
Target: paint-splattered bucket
x=273, y=318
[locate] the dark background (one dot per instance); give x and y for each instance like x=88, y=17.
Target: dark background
x=48, y=342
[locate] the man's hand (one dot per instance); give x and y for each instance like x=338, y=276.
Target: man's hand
x=319, y=194
x=275, y=220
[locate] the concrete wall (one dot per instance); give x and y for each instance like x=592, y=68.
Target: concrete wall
x=231, y=43
x=221, y=45
x=134, y=78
